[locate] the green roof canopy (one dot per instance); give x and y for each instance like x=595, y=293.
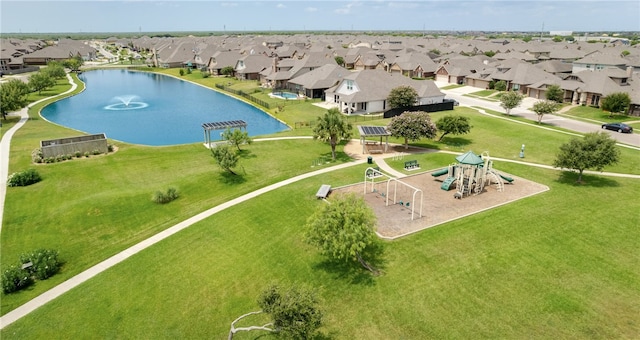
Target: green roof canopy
x=470, y=158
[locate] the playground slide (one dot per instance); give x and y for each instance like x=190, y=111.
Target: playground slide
x=440, y=172
x=508, y=179
x=446, y=185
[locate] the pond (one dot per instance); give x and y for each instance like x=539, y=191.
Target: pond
x=152, y=109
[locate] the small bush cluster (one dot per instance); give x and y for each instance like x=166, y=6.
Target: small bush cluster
x=40, y=264
x=24, y=178
x=38, y=157
x=163, y=198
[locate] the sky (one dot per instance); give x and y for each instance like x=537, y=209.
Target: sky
x=269, y=15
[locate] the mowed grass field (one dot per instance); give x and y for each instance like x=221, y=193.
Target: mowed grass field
x=560, y=264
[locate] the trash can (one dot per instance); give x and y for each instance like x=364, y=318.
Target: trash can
x=370, y=160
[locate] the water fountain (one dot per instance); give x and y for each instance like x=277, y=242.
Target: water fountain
x=126, y=102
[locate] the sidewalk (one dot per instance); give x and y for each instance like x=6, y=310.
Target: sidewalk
x=5, y=146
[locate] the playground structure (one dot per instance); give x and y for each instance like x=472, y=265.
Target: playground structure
x=389, y=190
x=471, y=174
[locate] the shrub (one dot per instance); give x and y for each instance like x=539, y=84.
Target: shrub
x=110, y=148
x=205, y=74
x=45, y=263
x=181, y=72
x=86, y=153
x=59, y=158
x=163, y=198
x=96, y=152
x=15, y=278
x=24, y=178
x=78, y=154
x=36, y=156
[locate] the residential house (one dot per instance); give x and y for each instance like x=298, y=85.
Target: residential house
x=455, y=70
x=519, y=75
x=313, y=84
x=250, y=66
x=599, y=61
x=413, y=65
x=366, y=91
x=284, y=70
x=222, y=59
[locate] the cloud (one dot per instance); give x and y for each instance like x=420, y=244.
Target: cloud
x=281, y=6
x=311, y=9
x=347, y=8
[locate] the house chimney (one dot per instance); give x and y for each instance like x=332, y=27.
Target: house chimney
x=629, y=71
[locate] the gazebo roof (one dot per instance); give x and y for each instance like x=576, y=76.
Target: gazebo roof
x=470, y=158
x=224, y=125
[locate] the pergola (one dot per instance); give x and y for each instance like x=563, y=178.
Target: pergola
x=373, y=131
x=221, y=126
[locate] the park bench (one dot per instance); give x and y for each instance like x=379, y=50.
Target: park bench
x=411, y=165
x=323, y=192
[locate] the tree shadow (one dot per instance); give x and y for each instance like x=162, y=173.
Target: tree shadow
x=456, y=142
x=246, y=154
x=353, y=271
x=231, y=179
x=571, y=178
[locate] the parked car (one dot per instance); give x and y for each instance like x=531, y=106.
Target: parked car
x=620, y=127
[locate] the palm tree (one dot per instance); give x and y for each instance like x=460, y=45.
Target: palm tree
x=332, y=128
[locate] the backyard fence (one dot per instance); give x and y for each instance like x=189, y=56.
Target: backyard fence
x=244, y=95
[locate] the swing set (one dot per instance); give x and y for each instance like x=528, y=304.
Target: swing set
x=391, y=192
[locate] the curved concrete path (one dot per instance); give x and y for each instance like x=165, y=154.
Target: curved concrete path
x=5, y=145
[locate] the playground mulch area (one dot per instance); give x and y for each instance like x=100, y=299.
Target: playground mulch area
x=438, y=206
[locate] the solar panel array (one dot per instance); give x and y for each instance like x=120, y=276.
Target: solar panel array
x=373, y=130
x=224, y=125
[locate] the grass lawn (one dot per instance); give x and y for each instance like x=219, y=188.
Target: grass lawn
x=539, y=266
x=552, y=265
x=598, y=115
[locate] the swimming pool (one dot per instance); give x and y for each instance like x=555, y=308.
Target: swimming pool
x=152, y=109
x=284, y=95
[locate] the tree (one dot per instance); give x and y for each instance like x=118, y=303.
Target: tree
x=294, y=313
x=227, y=71
x=236, y=137
x=554, y=93
x=55, y=70
x=225, y=157
x=490, y=54
x=616, y=103
x=41, y=81
x=343, y=230
x=595, y=151
x=412, y=126
x=339, y=60
x=500, y=85
x=332, y=128
x=557, y=38
x=402, y=96
x=73, y=63
x=543, y=107
x=510, y=100
x=456, y=125
x=13, y=96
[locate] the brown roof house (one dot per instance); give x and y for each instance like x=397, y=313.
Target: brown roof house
x=366, y=91
x=313, y=84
